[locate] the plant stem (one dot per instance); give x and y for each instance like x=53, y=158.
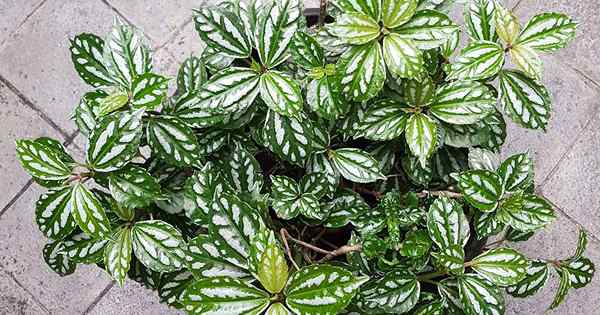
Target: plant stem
x=284, y=236
x=439, y=193
x=359, y=189
x=322, y=12
x=341, y=251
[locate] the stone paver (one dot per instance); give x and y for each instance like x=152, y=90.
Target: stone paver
x=131, y=299
x=16, y=300
x=14, y=13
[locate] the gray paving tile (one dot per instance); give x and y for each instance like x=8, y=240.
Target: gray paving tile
x=559, y=241
x=186, y=43
x=131, y=299
x=575, y=100
x=21, y=256
x=584, y=52
x=15, y=300
x=13, y=13
x=14, y=115
x=574, y=185
x=37, y=59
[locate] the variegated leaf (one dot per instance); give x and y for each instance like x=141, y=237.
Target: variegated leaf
x=172, y=140
x=507, y=24
x=447, y=49
x=223, y=31
x=272, y=268
x=85, y=114
x=318, y=289
x=289, y=138
x=117, y=255
x=483, y=159
x=115, y=100
x=451, y=258
x=356, y=165
x=548, y=32
x=115, y=141
x=81, y=248
x=501, y=266
x=419, y=92
x=385, y=120
x=396, y=13
x=516, y=172
x=481, y=188
x=277, y=22
x=535, y=279
x=463, y=102
x=345, y=207
x=224, y=295
x=564, y=285
x=201, y=189
x=56, y=259
x=581, y=244
x=356, y=28
x=421, y=136
x=192, y=74
x=479, y=19
x=258, y=245
x=171, y=287
x=397, y=292
x=447, y=223
x=248, y=12
x=325, y=98
x=486, y=224
x=191, y=109
x=496, y=127
x=526, y=212
x=133, y=187
x=581, y=271
x=88, y=212
x=41, y=161
x=126, y=54
x=402, y=57
x=362, y=71
x=158, y=245
x=477, y=61
x=479, y=297
x=208, y=258
x=53, y=213
x=307, y=52
x=428, y=29
x=371, y=8
x=148, y=91
x=243, y=171
x=316, y=184
x=527, y=60
x=285, y=191
x=278, y=309
x=87, y=56
x=281, y=93
x=526, y=100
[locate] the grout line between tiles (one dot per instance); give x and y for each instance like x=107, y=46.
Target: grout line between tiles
x=590, y=234
x=39, y=5
x=128, y=20
x=99, y=298
x=33, y=297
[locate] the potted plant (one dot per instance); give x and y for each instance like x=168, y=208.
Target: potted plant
x=345, y=166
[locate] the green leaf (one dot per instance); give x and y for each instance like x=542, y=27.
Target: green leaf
x=385, y=120
x=86, y=112
x=479, y=297
x=362, y=71
x=201, y=189
x=463, y=102
x=447, y=49
x=548, y=32
x=447, y=223
x=126, y=54
x=486, y=224
x=114, y=101
x=396, y=13
x=525, y=100
x=507, y=25
x=307, y=52
x=172, y=285
x=288, y=137
x=117, y=255
x=281, y=93
x=243, y=171
x=581, y=272
x=477, y=61
x=316, y=184
x=273, y=268
x=285, y=191
x=324, y=96
x=192, y=110
x=564, y=285
x=158, y=245
x=356, y=165
x=115, y=141
x=513, y=235
x=421, y=136
x=516, y=172
x=318, y=289
x=526, y=212
x=416, y=172
x=495, y=126
x=278, y=309
x=133, y=187
x=41, y=161
x=148, y=91
x=81, y=248
x=224, y=295
x=355, y=28
x=481, y=188
x=483, y=159
x=56, y=259
x=415, y=244
x=419, y=92
x=277, y=22
x=88, y=212
x=451, y=258
x=346, y=206
x=208, y=258
x=581, y=244
x=172, y=140
x=428, y=29
x=535, y=279
x=527, y=60
x=479, y=19
x=223, y=31
x=371, y=8
x=502, y=266
x=397, y=292
x=53, y=213
x=87, y=56
x=192, y=74
x=402, y=56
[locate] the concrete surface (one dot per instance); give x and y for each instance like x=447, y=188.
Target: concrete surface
x=38, y=89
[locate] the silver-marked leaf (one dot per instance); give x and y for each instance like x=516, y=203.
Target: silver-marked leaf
x=158, y=245
x=258, y=244
x=281, y=93
x=525, y=100
x=428, y=29
x=464, y=136
x=463, y=102
x=56, y=259
x=115, y=100
x=117, y=255
x=581, y=271
x=564, y=285
x=402, y=57
x=447, y=223
x=362, y=71
x=126, y=54
x=481, y=188
x=421, y=136
x=483, y=159
x=479, y=297
x=285, y=191
x=371, y=8
x=272, y=269
x=318, y=289
x=201, y=189
x=307, y=52
x=548, y=32
x=496, y=127
x=516, y=172
x=88, y=212
x=346, y=206
x=133, y=187
x=278, y=309
x=513, y=235
x=397, y=292
x=249, y=12
x=451, y=258
x=502, y=266
x=477, y=61
x=277, y=22
x=171, y=287
x=527, y=60
x=479, y=19
x=41, y=161
x=447, y=49
x=581, y=244
x=223, y=31
x=535, y=279
x=325, y=98
x=486, y=224
x=148, y=91
x=449, y=291
x=355, y=28
x=189, y=107
x=224, y=295
x=214, y=60
x=192, y=74
x=243, y=171
x=85, y=113
x=316, y=184
x=419, y=92
x=526, y=212
x=115, y=141
x=288, y=137
x=87, y=56
x=319, y=163
x=356, y=165
x=212, y=141
x=507, y=24
x=53, y=213
x=81, y=248
x=208, y=258
x=396, y=13
x=172, y=140
x=385, y=120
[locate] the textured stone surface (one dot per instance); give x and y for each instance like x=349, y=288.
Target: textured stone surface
x=14, y=13
x=131, y=299
x=16, y=300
